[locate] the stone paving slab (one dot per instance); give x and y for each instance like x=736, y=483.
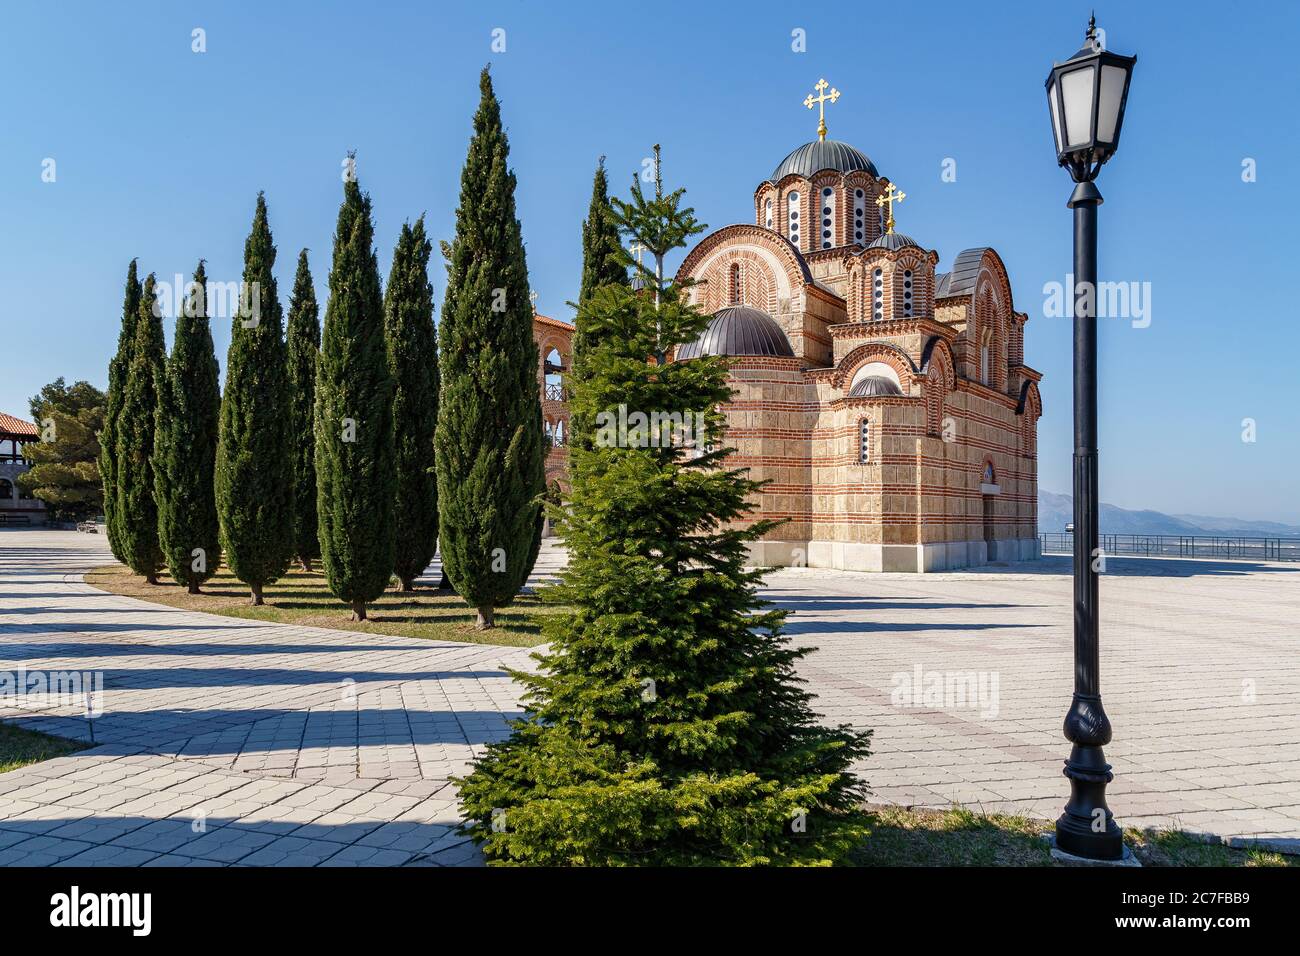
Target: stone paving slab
x=227, y=742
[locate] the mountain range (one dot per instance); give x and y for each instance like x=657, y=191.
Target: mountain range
x=1056, y=511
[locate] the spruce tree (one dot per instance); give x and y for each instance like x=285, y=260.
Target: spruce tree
x=490, y=458
x=113, y=407
x=303, y=348
x=254, y=470
x=185, y=445
x=137, y=512
x=601, y=266
x=354, y=417
x=413, y=361
x=665, y=724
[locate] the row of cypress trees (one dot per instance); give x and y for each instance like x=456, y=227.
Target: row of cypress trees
x=323, y=442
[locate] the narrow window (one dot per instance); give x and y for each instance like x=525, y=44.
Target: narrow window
x=767, y=214
x=907, y=292
x=878, y=295
x=864, y=442
x=828, y=217
x=859, y=216
x=792, y=213
x=737, y=291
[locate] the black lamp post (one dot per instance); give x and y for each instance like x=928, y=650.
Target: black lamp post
x=1086, y=95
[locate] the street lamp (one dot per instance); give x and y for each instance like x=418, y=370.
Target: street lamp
x=1086, y=96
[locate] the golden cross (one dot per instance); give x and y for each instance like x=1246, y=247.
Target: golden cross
x=887, y=199
x=532, y=297
x=820, y=101
x=637, y=248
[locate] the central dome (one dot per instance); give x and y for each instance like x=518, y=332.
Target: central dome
x=822, y=154
x=738, y=330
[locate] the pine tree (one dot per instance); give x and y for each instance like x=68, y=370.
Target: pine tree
x=354, y=417
x=65, y=471
x=413, y=360
x=601, y=266
x=490, y=459
x=303, y=347
x=113, y=407
x=254, y=472
x=185, y=445
x=137, y=513
x=665, y=724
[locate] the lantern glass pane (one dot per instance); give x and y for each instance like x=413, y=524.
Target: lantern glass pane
x=1056, y=118
x=1077, y=90
x=1112, y=91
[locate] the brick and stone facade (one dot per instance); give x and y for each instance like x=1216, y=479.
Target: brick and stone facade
x=554, y=340
x=934, y=466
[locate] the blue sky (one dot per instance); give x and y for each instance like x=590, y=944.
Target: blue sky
x=160, y=153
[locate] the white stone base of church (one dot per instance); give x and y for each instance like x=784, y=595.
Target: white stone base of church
x=913, y=558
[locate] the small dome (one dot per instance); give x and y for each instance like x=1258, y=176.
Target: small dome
x=811, y=158
x=893, y=241
x=873, y=385
x=739, y=330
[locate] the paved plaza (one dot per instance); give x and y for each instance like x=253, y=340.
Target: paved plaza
x=231, y=742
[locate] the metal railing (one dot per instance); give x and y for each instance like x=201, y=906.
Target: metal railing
x=1225, y=547
x=554, y=393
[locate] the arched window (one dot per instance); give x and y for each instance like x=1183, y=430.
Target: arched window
x=552, y=368
x=767, y=213
x=828, y=217
x=860, y=216
x=985, y=349
x=864, y=442
x=792, y=217
x=6, y=489
x=907, y=292
x=878, y=294
x=559, y=432
x=736, y=289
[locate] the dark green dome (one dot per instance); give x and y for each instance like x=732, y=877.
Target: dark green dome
x=812, y=158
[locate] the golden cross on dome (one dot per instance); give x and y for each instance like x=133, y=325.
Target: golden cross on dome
x=533, y=297
x=887, y=200
x=820, y=101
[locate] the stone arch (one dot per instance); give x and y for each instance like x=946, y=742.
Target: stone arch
x=869, y=352
x=1030, y=409
x=937, y=367
x=786, y=271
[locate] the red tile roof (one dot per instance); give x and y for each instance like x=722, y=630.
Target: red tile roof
x=554, y=323
x=16, y=426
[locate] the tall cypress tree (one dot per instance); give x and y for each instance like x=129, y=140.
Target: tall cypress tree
x=354, y=417
x=185, y=445
x=601, y=266
x=665, y=724
x=137, y=512
x=254, y=473
x=303, y=347
x=413, y=360
x=113, y=408
x=490, y=459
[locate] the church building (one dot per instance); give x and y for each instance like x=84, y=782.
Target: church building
x=886, y=403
